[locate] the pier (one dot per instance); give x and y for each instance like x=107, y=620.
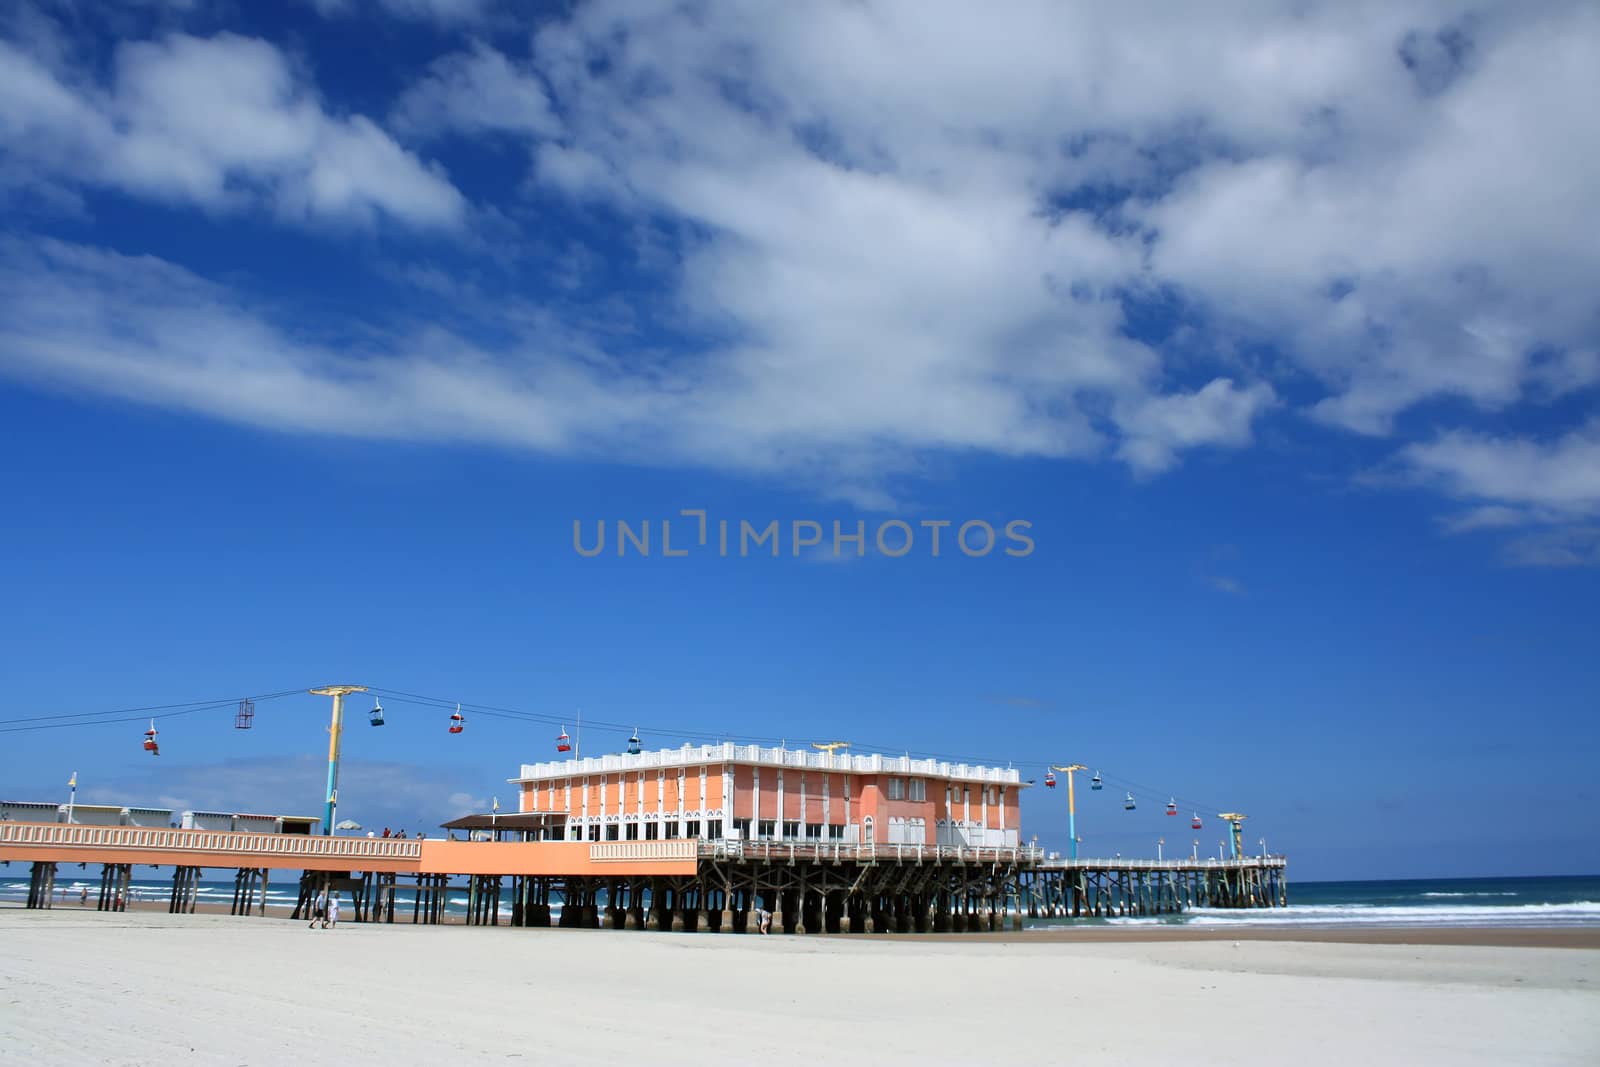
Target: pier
x=684, y=884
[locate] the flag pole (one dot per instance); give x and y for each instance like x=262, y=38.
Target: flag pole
x=72, y=796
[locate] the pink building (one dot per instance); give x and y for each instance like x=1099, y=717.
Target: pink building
x=747, y=792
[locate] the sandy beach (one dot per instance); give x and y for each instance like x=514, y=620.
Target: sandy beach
x=148, y=988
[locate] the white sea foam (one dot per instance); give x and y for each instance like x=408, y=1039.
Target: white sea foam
x=1577, y=913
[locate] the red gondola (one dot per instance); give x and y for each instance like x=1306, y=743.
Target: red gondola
x=1196, y=824
x=563, y=743
x=150, y=745
x=1050, y=780
x=458, y=721
x=1172, y=807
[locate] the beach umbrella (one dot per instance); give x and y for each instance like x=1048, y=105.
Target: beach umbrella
x=347, y=824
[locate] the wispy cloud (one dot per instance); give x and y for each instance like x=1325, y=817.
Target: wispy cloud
x=1225, y=585
x=412, y=796
x=223, y=124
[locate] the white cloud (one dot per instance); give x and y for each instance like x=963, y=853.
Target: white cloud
x=909, y=228
x=1218, y=414
x=475, y=91
x=221, y=123
x=1561, y=476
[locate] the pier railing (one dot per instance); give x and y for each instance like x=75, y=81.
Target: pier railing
x=842, y=851
x=1182, y=863
x=682, y=848
x=240, y=843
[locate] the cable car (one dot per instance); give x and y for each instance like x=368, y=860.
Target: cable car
x=1094, y=783
x=1196, y=824
x=458, y=721
x=376, y=715
x=1050, y=780
x=150, y=745
x=246, y=715
x=1172, y=807
x=563, y=742
x=1128, y=805
x=633, y=743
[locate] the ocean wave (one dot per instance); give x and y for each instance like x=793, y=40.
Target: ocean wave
x=1485, y=894
x=1577, y=913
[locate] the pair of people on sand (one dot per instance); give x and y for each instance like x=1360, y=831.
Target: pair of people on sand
x=326, y=911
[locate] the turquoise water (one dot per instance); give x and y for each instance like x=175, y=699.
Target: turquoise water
x=1571, y=901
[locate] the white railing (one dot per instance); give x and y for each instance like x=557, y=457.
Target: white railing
x=615, y=851
x=841, y=851
x=690, y=755
x=1181, y=863
x=237, y=842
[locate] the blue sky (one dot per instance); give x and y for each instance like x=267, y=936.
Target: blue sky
x=319, y=329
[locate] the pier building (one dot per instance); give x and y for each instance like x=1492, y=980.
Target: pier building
x=732, y=792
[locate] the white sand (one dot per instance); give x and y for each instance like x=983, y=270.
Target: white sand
x=85, y=987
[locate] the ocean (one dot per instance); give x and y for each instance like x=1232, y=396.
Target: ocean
x=1565, y=901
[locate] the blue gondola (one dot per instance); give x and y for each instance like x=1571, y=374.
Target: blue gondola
x=1128, y=805
x=375, y=716
x=1094, y=783
x=633, y=743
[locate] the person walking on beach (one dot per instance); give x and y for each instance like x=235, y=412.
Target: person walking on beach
x=319, y=909
x=331, y=916
x=763, y=920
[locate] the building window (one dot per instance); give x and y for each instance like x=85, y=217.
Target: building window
x=594, y=833
x=611, y=832
x=765, y=828
x=835, y=833
x=575, y=833
x=742, y=828
x=633, y=831
x=791, y=829
x=919, y=789
x=814, y=831
x=672, y=829
x=897, y=789
x=714, y=828
x=694, y=828
x=652, y=831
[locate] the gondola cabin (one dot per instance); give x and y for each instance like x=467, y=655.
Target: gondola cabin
x=1094, y=783
x=150, y=745
x=375, y=716
x=1128, y=804
x=1172, y=807
x=563, y=742
x=458, y=721
x=1196, y=824
x=1050, y=780
x=633, y=744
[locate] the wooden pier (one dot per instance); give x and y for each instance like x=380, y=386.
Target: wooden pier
x=669, y=885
